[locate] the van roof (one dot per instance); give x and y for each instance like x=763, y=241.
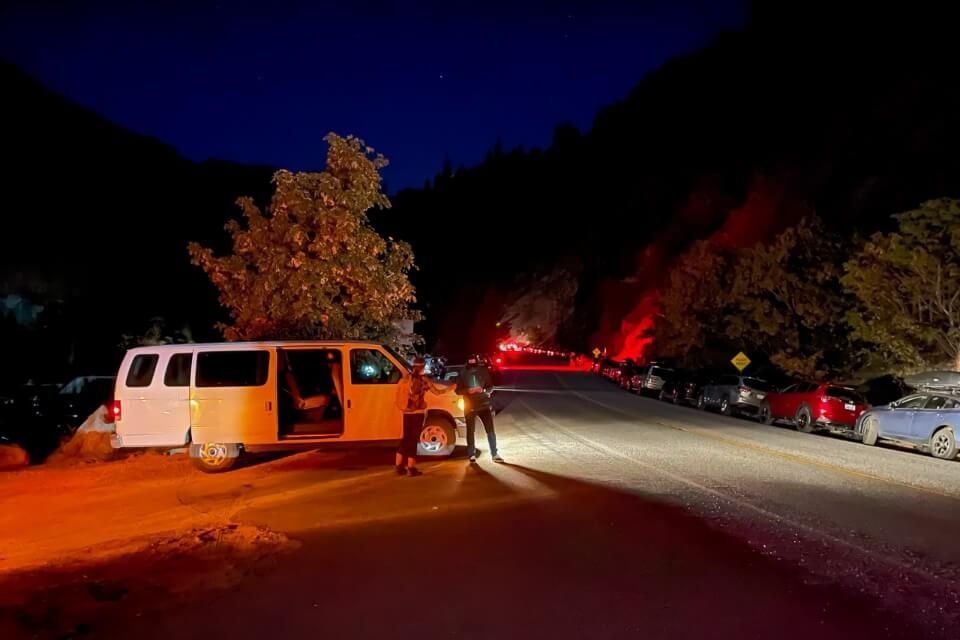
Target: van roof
x=225, y=346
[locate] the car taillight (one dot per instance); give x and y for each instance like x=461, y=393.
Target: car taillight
x=115, y=412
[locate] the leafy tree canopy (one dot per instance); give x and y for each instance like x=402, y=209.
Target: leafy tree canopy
x=311, y=265
x=907, y=287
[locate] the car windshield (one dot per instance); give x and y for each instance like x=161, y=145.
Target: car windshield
x=757, y=384
x=845, y=394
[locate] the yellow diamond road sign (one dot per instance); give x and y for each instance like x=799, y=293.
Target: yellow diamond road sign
x=740, y=361
x=596, y=352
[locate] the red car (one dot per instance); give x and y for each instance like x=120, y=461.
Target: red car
x=810, y=407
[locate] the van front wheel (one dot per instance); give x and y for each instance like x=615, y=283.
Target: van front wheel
x=437, y=438
x=214, y=457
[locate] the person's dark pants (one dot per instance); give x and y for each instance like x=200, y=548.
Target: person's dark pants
x=486, y=417
x=412, y=426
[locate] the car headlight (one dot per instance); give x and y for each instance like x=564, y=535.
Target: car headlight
x=460, y=404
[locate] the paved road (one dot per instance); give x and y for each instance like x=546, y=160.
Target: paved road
x=616, y=517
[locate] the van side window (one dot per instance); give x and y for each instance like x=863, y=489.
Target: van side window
x=141, y=370
x=178, y=370
x=232, y=368
x=369, y=366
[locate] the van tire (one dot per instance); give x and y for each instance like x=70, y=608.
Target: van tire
x=438, y=438
x=214, y=457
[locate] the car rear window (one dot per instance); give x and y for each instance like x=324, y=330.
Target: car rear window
x=757, y=385
x=142, y=369
x=232, y=368
x=845, y=394
x=661, y=372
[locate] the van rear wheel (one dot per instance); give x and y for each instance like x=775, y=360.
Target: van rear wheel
x=438, y=437
x=214, y=457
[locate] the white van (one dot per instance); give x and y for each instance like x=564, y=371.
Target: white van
x=226, y=398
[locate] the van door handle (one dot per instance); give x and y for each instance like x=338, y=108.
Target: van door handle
x=348, y=404
x=269, y=405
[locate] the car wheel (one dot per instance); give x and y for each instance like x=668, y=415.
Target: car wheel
x=214, y=457
x=803, y=420
x=871, y=431
x=437, y=438
x=943, y=444
x=764, y=414
x=726, y=407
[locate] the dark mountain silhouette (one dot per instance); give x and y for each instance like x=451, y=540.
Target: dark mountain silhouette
x=99, y=218
x=848, y=111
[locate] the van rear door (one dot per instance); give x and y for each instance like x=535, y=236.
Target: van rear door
x=156, y=400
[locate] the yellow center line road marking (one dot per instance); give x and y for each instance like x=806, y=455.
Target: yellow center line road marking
x=784, y=455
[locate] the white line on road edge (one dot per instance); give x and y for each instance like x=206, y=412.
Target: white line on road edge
x=816, y=533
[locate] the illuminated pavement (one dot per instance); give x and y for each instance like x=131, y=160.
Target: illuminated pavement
x=616, y=517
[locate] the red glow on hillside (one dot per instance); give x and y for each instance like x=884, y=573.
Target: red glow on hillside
x=636, y=329
x=769, y=207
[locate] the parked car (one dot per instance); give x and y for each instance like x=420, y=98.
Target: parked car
x=810, y=407
x=926, y=421
x=734, y=394
x=651, y=378
x=628, y=371
x=82, y=396
x=669, y=392
x=610, y=369
x=684, y=387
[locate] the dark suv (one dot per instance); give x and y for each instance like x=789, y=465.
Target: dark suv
x=734, y=394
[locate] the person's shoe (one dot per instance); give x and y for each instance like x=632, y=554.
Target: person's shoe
x=473, y=459
x=413, y=472
x=499, y=459
x=400, y=470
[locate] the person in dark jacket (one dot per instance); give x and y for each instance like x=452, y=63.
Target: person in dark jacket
x=474, y=384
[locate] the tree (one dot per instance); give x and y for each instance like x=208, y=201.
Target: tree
x=157, y=331
x=907, y=288
x=785, y=299
x=312, y=265
x=692, y=303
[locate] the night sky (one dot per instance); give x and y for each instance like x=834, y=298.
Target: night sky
x=420, y=81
